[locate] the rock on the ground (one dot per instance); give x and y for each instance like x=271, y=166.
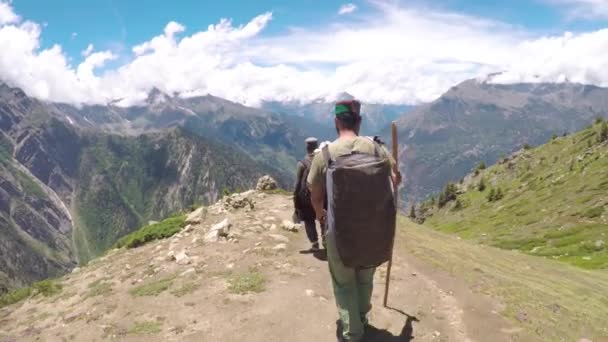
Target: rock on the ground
x=290, y=226
x=239, y=201
x=599, y=244
x=196, y=216
x=310, y=293
x=188, y=272
x=280, y=247
x=279, y=237
x=170, y=256
x=266, y=183
x=182, y=258
x=217, y=231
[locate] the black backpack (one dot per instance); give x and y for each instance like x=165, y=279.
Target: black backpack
x=361, y=207
x=304, y=193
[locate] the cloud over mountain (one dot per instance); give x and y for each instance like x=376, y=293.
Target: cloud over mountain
x=395, y=53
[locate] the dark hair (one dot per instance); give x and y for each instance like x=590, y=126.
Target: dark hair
x=310, y=148
x=349, y=122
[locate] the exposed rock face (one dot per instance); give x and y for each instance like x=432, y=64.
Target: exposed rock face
x=58, y=162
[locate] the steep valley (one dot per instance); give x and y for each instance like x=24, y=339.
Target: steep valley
x=69, y=191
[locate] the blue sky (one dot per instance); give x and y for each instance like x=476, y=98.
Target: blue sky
x=385, y=51
x=119, y=24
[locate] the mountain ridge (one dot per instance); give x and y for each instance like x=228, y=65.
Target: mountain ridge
x=477, y=121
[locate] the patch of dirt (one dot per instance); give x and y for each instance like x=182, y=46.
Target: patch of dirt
x=290, y=300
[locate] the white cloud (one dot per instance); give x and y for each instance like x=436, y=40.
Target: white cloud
x=394, y=54
x=86, y=52
x=588, y=9
x=74, y=35
x=7, y=15
x=347, y=8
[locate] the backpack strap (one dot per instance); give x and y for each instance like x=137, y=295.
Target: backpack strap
x=377, y=143
x=326, y=155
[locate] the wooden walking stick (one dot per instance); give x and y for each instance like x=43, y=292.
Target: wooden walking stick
x=396, y=196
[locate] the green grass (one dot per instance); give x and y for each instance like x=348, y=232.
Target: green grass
x=99, y=287
x=186, y=289
x=520, y=282
x=249, y=282
x=552, y=209
x=153, y=288
x=161, y=230
x=15, y=296
x=145, y=328
x=46, y=288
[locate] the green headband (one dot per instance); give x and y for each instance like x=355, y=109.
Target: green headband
x=342, y=109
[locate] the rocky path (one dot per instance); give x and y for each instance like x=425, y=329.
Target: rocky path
x=238, y=275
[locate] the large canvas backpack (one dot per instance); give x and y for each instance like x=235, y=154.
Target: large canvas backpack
x=361, y=207
x=304, y=191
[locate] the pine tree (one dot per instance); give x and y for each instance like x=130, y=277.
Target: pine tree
x=441, y=201
x=457, y=205
x=603, y=136
x=413, y=211
x=491, y=195
x=482, y=185
x=481, y=166
x=499, y=195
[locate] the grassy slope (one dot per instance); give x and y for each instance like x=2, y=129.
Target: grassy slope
x=553, y=206
x=555, y=301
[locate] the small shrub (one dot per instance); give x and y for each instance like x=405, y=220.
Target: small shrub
x=15, y=296
x=98, y=288
x=145, y=328
x=495, y=195
x=594, y=212
x=157, y=231
x=599, y=120
x=252, y=281
x=527, y=146
x=47, y=288
x=554, y=136
x=413, y=211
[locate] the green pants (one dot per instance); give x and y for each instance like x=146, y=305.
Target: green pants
x=353, y=292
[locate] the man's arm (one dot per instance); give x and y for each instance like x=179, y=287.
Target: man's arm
x=395, y=173
x=297, y=189
x=317, y=196
x=316, y=183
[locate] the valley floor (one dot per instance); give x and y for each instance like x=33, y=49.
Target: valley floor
x=260, y=287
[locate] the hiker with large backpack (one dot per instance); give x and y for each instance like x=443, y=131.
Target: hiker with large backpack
x=304, y=212
x=356, y=176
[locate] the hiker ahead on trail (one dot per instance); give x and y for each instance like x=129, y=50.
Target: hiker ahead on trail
x=301, y=196
x=354, y=174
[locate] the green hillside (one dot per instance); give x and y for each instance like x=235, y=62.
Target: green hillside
x=548, y=201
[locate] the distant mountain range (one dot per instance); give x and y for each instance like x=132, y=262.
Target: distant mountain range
x=376, y=117
x=480, y=121
x=75, y=179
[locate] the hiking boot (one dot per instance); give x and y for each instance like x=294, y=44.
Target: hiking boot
x=315, y=247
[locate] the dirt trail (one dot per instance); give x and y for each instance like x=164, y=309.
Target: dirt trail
x=194, y=302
